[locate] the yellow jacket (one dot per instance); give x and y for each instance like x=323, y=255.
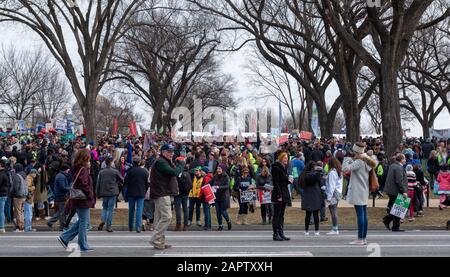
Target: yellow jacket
x=196, y=186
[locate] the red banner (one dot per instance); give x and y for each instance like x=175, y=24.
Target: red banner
x=116, y=127
x=306, y=135
x=132, y=126
x=283, y=139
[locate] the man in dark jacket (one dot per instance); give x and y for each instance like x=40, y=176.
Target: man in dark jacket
x=4, y=192
x=396, y=183
x=61, y=191
x=135, y=187
x=426, y=149
x=109, y=180
x=164, y=185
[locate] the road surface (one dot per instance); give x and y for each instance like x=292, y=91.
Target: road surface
x=234, y=244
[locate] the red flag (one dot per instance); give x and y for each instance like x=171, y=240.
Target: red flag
x=116, y=126
x=132, y=126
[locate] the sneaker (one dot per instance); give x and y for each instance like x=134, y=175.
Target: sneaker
x=37, y=218
x=199, y=224
x=63, y=244
x=306, y=233
x=317, y=234
x=151, y=227
x=109, y=230
x=30, y=230
x=333, y=233
x=18, y=231
x=411, y=219
x=357, y=242
x=48, y=217
x=89, y=250
x=324, y=219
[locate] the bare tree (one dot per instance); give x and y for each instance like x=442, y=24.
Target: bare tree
x=164, y=56
x=95, y=26
x=23, y=75
x=391, y=29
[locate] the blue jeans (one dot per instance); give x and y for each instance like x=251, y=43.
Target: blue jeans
x=149, y=210
x=28, y=216
x=135, y=204
x=108, y=210
x=363, y=222
x=221, y=211
x=181, y=203
x=207, y=212
x=78, y=229
x=8, y=207
x=2, y=211
x=194, y=202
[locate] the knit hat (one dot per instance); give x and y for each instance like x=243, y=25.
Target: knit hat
x=409, y=167
x=205, y=169
x=223, y=166
x=359, y=147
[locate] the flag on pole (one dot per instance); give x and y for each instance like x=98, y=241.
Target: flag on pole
x=116, y=126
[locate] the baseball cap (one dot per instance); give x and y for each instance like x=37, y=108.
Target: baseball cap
x=167, y=147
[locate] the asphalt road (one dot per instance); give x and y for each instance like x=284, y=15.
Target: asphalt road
x=234, y=244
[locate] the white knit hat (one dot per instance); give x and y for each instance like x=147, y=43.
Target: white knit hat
x=359, y=148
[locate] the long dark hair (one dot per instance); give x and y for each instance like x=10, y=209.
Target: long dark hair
x=308, y=168
x=336, y=164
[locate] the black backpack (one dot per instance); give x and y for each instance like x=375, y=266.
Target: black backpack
x=184, y=183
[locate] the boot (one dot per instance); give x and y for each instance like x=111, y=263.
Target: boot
x=42, y=214
x=281, y=232
x=100, y=226
x=239, y=219
x=244, y=221
x=178, y=228
x=229, y=225
x=276, y=234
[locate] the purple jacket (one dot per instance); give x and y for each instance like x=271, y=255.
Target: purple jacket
x=84, y=182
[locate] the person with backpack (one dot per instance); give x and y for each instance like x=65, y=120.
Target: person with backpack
x=221, y=183
x=4, y=192
x=181, y=200
x=61, y=191
x=19, y=195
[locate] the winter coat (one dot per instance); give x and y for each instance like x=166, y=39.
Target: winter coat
x=62, y=186
x=84, y=183
x=41, y=193
x=444, y=181
x=4, y=183
x=136, y=182
x=108, y=182
x=31, y=189
x=197, y=183
x=223, y=191
x=280, y=180
x=312, y=199
x=396, y=180
x=358, y=190
x=433, y=166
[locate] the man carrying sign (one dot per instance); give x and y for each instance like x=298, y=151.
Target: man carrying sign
x=396, y=183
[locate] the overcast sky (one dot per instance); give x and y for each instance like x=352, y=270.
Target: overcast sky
x=234, y=64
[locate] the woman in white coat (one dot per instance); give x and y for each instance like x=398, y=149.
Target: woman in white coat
x=358, y=191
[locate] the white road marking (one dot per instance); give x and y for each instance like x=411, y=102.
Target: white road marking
x=243, y=246
x=239, y=254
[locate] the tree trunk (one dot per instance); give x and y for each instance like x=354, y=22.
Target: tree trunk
x=390, y=103
x=352, y=120
x=426, y=129
x=309, y=105
x=89, y=114
x=156, y=120
x=326, y=121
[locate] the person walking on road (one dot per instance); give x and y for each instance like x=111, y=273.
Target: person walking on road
x=163, y=186
x=280, y=195
x=83, y=182
x=108, y=183
x=62, y=188
x=135, y=185
x=358, y=192
x=396, y=183
x=334, y=191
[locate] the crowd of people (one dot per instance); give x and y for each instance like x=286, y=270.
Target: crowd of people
x=46, y=178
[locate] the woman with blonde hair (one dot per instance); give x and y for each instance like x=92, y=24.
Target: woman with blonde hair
x=280, y=195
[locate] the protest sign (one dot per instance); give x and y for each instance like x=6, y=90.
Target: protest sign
x=400, y=206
